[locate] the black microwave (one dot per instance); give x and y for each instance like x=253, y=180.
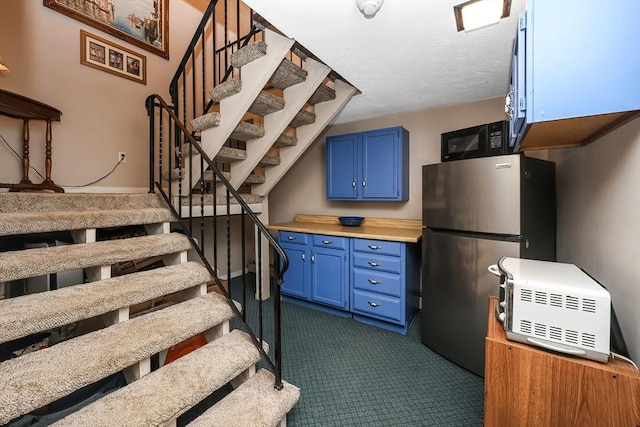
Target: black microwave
x=491, y=139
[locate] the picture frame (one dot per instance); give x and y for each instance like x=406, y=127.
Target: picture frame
x=142, y=23
x=101, y=54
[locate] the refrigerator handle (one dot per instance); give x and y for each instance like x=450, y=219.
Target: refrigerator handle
x=493, y=269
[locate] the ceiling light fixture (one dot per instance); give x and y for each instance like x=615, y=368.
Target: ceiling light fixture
x=369, y=8
x=476, y=14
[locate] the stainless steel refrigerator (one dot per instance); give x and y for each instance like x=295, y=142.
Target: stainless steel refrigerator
x=474, y=212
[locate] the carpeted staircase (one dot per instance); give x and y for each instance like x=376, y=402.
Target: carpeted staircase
x=125, y=340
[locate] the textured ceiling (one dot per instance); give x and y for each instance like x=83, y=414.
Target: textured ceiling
x=408, y=57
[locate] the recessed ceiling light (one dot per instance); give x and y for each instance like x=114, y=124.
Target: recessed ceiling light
x=476, y=14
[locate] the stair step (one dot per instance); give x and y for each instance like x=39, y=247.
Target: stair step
x=208, y=175
x=303, y=117
x=221, y=199
x=287, y=74
x=255, y=403
x=43, y=222
x=75, y=303
x=255, y=179
x=322, y=94
x=36, y=379
x=246, y=131
x=285, y=141
x=174, y=388
x=266, y=103
x=225, y=89
x=269, y=161
x=248, y=53
x=40, y=261
x=227, y=154
x=50, y=202
x=206, y=121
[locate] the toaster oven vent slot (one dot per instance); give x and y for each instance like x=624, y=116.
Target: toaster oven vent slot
x=526, y=295
x=525, y=326
x=555, y=333
x=540, y=330
x=588, y=340
x=573, y=303
x=571, y=336
x=541, y=297
x=588, y=305
x=556, y=300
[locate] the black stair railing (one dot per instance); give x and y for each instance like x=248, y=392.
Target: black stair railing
x=173, y=153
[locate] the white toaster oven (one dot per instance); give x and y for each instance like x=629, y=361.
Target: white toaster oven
x=555, y=306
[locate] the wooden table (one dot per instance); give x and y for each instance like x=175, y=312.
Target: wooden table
x=528, y=386
x=26, y=109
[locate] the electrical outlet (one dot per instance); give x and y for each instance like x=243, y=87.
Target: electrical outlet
x=122, y=157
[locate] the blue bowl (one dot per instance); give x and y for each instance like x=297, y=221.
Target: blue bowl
x=351, y=221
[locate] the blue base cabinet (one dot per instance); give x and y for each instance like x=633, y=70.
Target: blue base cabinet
x=373, y=281
x=371, y=165
x=575, y=72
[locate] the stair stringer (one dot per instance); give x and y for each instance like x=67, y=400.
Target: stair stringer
x=275, y=123
x=254, y=76
x=325, y=112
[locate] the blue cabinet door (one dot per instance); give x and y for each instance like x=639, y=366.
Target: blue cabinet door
x=380, y=164
x=342, y=167
x=330, y=275
x=297, y=279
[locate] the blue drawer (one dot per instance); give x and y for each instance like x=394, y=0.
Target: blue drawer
x=389, y=264
x=377, y=305
x=333, y=242
x=292, y=237
x=379, y=247
x=377, y=281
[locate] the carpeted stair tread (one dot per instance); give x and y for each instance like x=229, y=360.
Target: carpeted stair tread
x=226, y=89
x=266, y=103
x=205, y=121
x=269, y=161
x=168, y=392
x=287, y=74
x=227, y=154
x=303, y=117
x=42, y=222
x=248, y=53
x=255, y=403
x=246, y=131
x=40, y=261
x=255, y=179
x=208, y=175
x=41, y=377
x=285, y=141
x=49, y=202
x=221, y=199
x=322, y=94
x=74, y=303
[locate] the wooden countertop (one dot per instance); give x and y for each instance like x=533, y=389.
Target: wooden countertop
x=396, y=230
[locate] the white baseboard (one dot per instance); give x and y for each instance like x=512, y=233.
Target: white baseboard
x=91, y=189
x=234, y=274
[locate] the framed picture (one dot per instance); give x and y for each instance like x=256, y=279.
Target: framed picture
x=143, y=23
x=96, y=52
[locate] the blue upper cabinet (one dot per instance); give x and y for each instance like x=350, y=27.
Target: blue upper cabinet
x=575, y=72
x=371, y=165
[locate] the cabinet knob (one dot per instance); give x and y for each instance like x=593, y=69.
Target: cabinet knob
x=313, y=258
x=304, y=258
x=291, y=238
x=374, y=304
x=327, y=242
x=374, y=282
x=374, y=247
x=364, y=183
x=375, y=264
x=353, y=184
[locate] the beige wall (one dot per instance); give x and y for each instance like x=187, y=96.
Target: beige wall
x=303, y=188
x=599, y=219
x=102, y=114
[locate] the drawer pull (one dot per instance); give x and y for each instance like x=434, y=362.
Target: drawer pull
x=375, y=264
x=291, y=238
x=327, y=242
x=374, y=247
x=374, y=282
x=374, y=304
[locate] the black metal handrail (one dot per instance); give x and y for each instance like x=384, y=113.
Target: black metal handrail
x=166, y=131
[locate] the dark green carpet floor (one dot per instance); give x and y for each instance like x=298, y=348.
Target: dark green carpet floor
x=353, y=374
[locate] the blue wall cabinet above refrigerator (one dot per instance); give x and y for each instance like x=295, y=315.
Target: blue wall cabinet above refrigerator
x=371, y=165
x=575, y=72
